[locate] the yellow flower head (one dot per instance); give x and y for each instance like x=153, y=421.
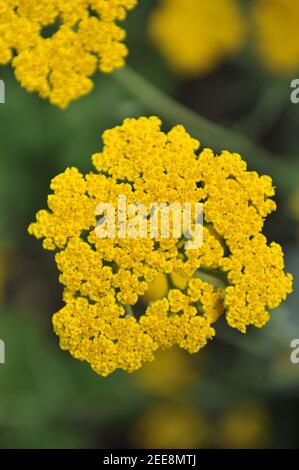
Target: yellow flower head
x=195, y=35
x=171, y=427
x=173, y=369
x=105, y=278
x=276, y=27
x=55, y=46
x=246, y=426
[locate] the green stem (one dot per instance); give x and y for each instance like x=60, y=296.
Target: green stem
x=285, y=174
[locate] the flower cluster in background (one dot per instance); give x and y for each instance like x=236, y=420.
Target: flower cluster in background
x=276, y=33
x=175, y=420
x=55, y=46
x=104, y=278
x=195, y=36
x=243, y=426
x=171, y=427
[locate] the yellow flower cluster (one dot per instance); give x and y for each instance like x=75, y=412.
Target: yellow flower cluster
x=60, y=43
x=104, y=278
x=195, y=35
x=245, y=426
x=276, y=27
x=171, y=427
x=173, y=369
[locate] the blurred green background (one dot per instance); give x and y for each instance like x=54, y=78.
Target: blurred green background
x=242, y=390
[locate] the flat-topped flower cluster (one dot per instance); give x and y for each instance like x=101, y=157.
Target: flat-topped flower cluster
x=104, y=279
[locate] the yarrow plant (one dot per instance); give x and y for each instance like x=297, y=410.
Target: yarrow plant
x=234, y=272
x=55, y=46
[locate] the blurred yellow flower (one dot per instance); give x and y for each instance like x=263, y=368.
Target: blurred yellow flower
x=245, y=427
x=277, y=34
x=172, y=370
x=58, y=64
x=196, y=35
x=104, y=278
x=170, y=427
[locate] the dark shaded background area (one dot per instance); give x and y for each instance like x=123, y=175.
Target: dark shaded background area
x=242, y=390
